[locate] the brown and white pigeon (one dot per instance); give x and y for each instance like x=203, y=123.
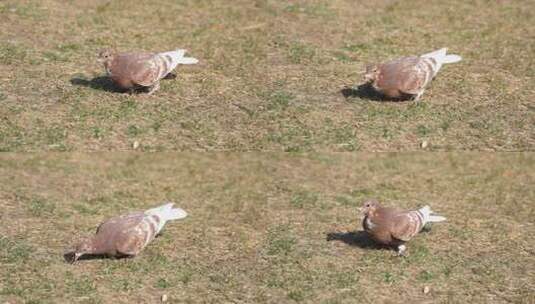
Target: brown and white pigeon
x=407, y=76
x=393, y=226
x=128, y=234
x=135, y=70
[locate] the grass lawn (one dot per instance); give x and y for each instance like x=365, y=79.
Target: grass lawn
x=270, y=228
x=271, y=75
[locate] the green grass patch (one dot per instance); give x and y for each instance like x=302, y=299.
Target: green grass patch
x=267, y=227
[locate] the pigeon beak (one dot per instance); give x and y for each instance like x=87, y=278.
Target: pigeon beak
x=76, y=256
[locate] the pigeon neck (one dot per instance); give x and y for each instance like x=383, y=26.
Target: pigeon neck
x=107, y=66
x=95, y=246
x=371, y=213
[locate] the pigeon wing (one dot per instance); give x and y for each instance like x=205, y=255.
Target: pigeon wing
x=119, y=223
x=402, y=74
x=379, y=224
x=111, y=234
x=134, y=68
x=406, y=225
x=139, y=234
x=130, y=242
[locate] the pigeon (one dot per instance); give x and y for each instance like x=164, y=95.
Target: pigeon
x=393, y=226
x=408, y=76
x=139, y=70
x=126, y=235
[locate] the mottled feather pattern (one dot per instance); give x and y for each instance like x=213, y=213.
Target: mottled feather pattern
x=408, y=225
x=162, y=65
x=131, y=70
x=137, y=231
x=130, y=233
x=393, y=226
x=408, y=75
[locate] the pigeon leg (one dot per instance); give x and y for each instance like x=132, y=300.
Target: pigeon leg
x=417, y=97
x=154, y=88
x=402, y=250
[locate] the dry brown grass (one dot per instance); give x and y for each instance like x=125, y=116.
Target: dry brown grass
x=270, y=77
x=260, y=225
x=267, y=228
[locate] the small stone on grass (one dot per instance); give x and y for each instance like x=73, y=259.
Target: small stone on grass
x=426, y=289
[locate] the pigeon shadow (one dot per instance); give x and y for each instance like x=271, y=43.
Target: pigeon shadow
x=361, y=239
x=366, y=91
x=69, y=257
x=102, y=83
x=354, y=238
x=170, y=76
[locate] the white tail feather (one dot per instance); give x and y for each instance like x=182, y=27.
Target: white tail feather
x=436, y=54
x=452, y=58
x=441, y=57
x=188, y=60
x=176, y=214
x=177, y=57
x=428, y=217
x=436, y=218
x=166, y=212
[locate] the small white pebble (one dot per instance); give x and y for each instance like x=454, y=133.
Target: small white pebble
x=426, y=289
x=135, y=145
x=164, y=298
x=424, y=144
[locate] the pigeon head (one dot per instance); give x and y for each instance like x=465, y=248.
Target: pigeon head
x=371, y=73
x=369, y=207
x=85, y=246
x=106, y=56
